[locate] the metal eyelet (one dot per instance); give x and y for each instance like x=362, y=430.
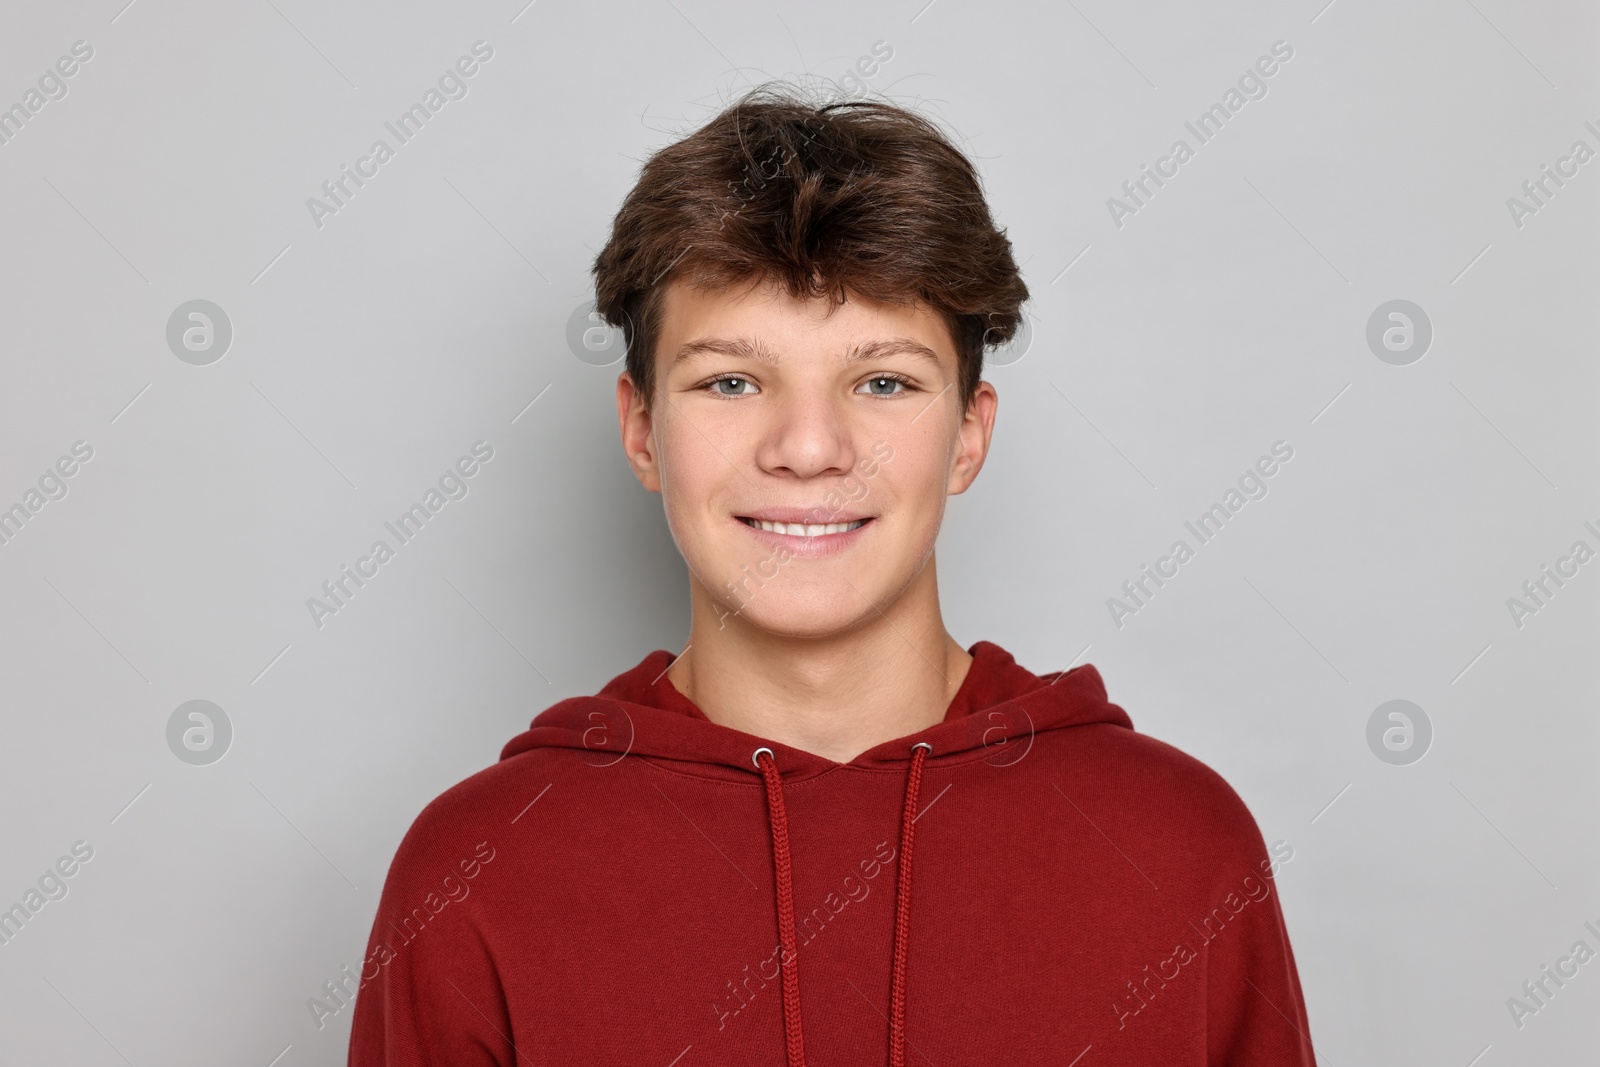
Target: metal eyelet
x=755, y=757
x=922, y=744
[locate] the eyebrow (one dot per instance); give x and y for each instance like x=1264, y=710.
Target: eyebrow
x=748, y=348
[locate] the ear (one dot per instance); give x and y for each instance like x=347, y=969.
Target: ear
x=638, y=433
x=972, y=438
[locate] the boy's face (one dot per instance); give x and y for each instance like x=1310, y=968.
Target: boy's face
x=844, y=425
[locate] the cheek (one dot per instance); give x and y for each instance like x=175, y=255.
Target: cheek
x=910, y=490
x=922, y=506
x=912, y=501
x=685, y=462
x=918, y=475
x=694, y=482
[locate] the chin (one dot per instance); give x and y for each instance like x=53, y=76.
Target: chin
x=821, y=613
x=802, y=626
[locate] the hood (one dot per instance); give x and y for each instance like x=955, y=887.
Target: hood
x=995, y=714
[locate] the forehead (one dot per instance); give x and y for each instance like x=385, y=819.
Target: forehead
x=762, y=320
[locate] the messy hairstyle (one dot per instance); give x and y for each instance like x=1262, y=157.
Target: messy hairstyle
x=823, y=199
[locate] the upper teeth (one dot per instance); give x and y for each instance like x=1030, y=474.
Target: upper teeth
x=795, y=529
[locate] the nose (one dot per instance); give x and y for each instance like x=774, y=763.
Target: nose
x=808, y=436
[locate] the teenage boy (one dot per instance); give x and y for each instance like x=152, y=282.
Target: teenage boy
x=711, y=861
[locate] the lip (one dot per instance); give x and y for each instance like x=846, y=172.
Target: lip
x=800, y=547
x=803, y=516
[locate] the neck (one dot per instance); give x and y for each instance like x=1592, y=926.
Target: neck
x=837, y=695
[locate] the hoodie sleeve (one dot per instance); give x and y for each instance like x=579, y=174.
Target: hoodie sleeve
x=1255, y=1013
x=430, y=991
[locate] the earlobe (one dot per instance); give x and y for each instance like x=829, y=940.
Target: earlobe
x=645, y=467
x=973, y=436
x=638, y=433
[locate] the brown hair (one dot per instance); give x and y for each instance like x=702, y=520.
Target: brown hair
x=823, y=199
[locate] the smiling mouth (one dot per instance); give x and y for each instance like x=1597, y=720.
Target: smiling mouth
x=795, y=529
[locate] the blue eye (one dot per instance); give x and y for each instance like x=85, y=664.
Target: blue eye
x=717, y=384
x=889, y=385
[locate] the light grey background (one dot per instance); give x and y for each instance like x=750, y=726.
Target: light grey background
x=1168, y=354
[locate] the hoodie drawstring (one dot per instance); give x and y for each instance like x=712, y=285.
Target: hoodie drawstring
x=788, y=962
x=902, y=908
x=788, y=959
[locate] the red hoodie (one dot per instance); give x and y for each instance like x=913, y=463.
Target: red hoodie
x=626, y=884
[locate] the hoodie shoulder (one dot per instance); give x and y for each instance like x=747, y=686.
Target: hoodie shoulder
x=433, y=936
x=1161, y=796
x=455, y=821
